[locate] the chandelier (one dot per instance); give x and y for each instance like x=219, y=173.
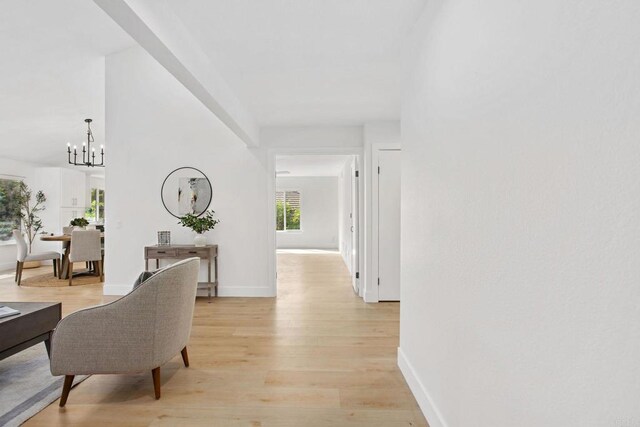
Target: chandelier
x=88, y=153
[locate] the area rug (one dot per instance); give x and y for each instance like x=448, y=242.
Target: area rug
x=48, y=280
x=27, y=386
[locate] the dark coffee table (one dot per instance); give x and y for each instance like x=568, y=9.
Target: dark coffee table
x=33, y=325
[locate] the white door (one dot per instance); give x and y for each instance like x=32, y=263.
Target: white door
x=355, y=269
x=389, y=225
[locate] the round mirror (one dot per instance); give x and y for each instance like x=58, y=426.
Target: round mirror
x=186, y=190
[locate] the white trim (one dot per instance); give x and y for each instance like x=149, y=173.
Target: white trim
x=372, y=294
x=226, y=291
x=271, y=202
x=429, y=410
x=12, y=177
x=243, y=291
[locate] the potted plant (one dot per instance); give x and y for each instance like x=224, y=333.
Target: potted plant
x=79, y=222
x=200, y=224
x=29, y=216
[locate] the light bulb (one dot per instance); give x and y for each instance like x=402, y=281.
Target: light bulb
x=68, y=144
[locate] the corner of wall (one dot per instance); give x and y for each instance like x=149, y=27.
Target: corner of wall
x=429, y=409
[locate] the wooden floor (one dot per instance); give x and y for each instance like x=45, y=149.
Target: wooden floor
x=315, y=356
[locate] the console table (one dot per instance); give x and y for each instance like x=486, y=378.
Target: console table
x=209, y=252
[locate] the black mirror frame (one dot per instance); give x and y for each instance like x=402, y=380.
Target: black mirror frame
x=171, y=173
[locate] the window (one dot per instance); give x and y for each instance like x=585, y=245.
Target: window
x=287, y=210
x=95, y=211
x=9, y=208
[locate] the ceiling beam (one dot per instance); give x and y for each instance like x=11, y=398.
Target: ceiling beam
x=164, y=36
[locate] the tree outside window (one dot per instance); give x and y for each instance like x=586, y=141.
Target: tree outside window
x=9, y=208
x=287, y=210
x=95, y=211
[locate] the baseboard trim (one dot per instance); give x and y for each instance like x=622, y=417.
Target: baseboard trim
x=429, y=409
x=117, y=290
x=233, y=291
x=242, y=291
x=370, y=297
x=8, y=266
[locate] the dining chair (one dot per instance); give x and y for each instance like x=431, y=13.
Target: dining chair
x=86, y=247
x=24, y=256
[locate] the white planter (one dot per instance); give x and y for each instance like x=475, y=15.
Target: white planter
x=200, y=240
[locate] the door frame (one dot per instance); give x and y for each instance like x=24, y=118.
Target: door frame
x=354, y=217
x=272, y=260
x=373, y=294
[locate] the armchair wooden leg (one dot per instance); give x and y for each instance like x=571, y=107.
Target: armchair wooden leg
x=185, y=357
x=66, y=388
x=70, y=271
x=20, y=267
x=155, y=373
x=55, y=268
x=17, y=268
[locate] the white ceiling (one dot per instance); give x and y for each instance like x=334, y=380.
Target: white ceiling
x=52, y=75
x=306, y=61
x=310, y=165
x=302, y=62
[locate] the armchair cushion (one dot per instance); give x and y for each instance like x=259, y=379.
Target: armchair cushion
x=143, y=277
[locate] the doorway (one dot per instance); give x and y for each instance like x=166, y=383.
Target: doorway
x=317, y=208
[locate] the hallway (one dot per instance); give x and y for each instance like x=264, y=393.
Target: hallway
x=315, y=356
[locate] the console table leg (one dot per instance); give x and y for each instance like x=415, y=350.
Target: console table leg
x=209, y=281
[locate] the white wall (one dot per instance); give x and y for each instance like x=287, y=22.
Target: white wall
x=521, y=214
x=318, y=213
x=155, y=125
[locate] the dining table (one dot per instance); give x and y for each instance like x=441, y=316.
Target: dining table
x=65, y=239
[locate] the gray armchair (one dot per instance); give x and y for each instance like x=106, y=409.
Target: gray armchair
x=141, y=331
